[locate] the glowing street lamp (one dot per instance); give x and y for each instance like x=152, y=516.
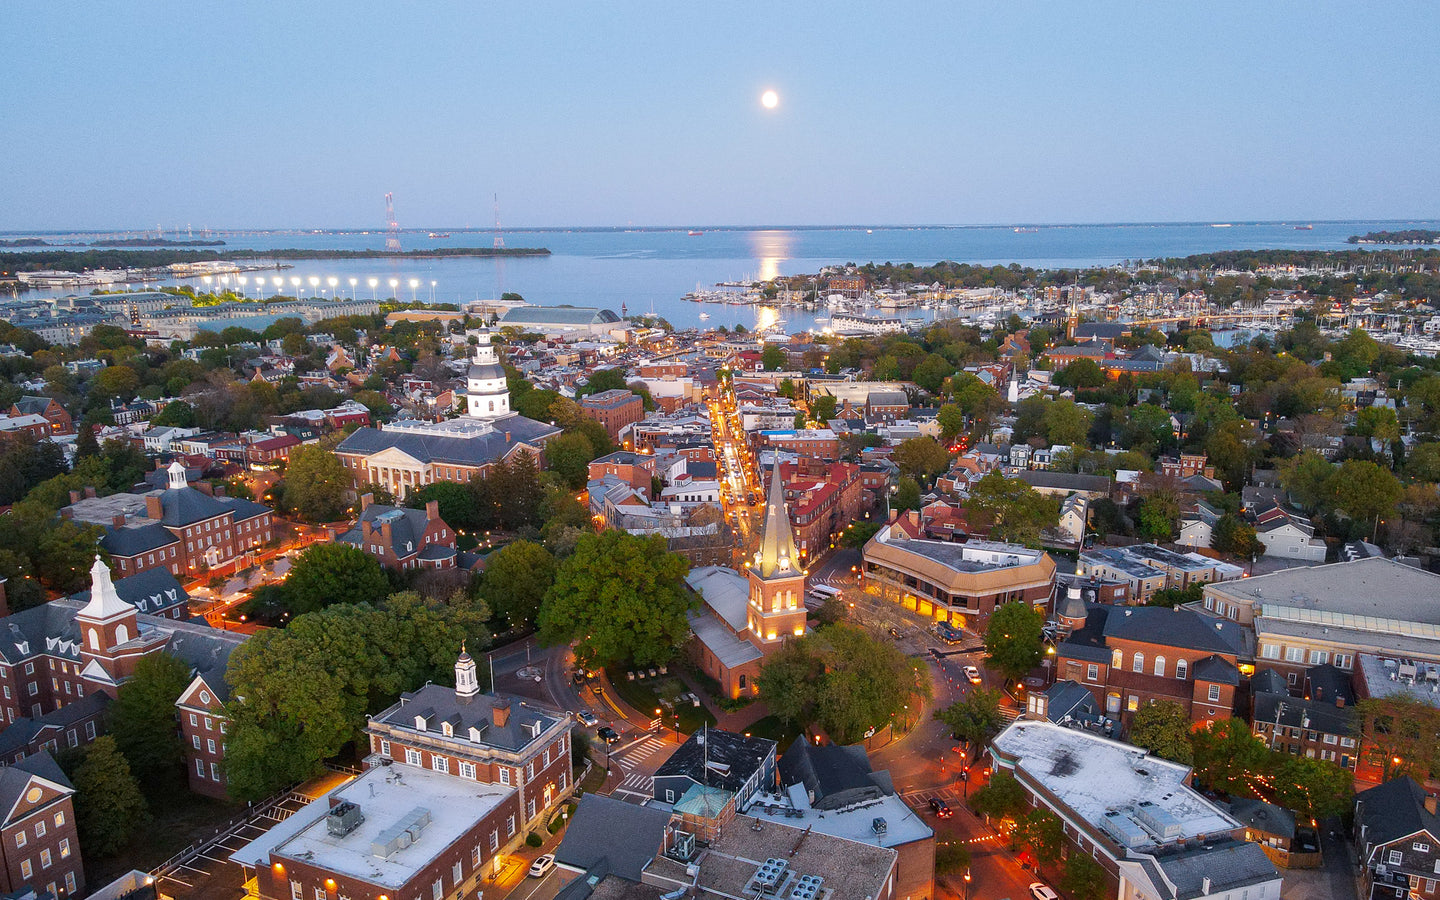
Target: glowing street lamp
x=374, y=283
x=414, y=283
x=295, y=283
x=394, y=283
x=353, y=282
x=314, y=285
x=332, y=281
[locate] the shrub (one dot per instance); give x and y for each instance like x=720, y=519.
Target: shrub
x=533, y=840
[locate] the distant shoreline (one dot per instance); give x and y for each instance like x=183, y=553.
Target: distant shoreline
x=83, y=259
x=1414, y=236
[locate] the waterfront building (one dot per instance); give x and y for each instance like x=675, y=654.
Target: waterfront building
x=560, y=319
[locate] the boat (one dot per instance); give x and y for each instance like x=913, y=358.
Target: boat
x=704, y=316
x=695, y=233
x=1221, y=225
x=1026, y=230
x=1304, y=227
x=869, y=231
x=436, y=235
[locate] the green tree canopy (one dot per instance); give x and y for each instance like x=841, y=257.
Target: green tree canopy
x=316, y=484
x=842, y=679
x=921, y=457
x=1163, y=728
x=951, y=420
x=907, y=494
x=334, y=573
x=773, y=359
x=569, y=456
x=622, y=597
x=142, y=718
x=457, y=502
x=1014, y=510
x=1003, y=797
x=975, y=717
x=1363, y=490
x=176, y=414
x=1312, y=787
x=1066, y=422
x=931, y=373
x=1228, y=756
x=109, y=807
x=1083, y=878
x=1012, y=639
x=517, y=577
x=1082, y=373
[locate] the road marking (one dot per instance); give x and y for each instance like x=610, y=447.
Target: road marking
x=630, y=793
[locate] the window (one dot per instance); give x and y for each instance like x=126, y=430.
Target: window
x=475, y=856
x=45, y=858
x=215, y=771
x=437, y=890
x=195, y=738
x=669, y=796
x=1421, y=847
x=30, y=668
x=1394, y=857
x=1133, y=703
x=1319, y=657
x=1116, y=659
x=34, y=688
x=510, y=827
x=21, y=839
x=494, y=840
x=385, y=747
x=1092, y=672
x=90, y=730
x=26, y=869
x=1138, y=665
x=1294, y=654
x=1342, y=660
x=412, y=756
x=200, y=767
x=467, y=770
x=70, y=882
x=530, y=809
x=1182, y=669
x=504, y=775
x=194, y=721
x=40, y=828
x=65, y=848
x=209, y=724
x=440, y=764
x=319, y=893
x=60, y=819
x=210, y=744
x=1160, y=666
x=456, y=874
x=1214, y=693
x=1429, y=885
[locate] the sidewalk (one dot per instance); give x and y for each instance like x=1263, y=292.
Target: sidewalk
x=737, y=721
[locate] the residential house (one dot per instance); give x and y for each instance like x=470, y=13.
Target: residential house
x=1397, y=837
x=39, y=840
x=402, y=538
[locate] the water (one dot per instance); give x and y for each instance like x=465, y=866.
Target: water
x=651, y=270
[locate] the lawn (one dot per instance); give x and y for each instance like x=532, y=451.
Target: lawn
x=773, y=728
x=661, y=692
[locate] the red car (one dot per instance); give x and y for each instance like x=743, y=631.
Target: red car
x=940, y=808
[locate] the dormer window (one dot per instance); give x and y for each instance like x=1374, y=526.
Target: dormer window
x=420, y=723
x=446, y=729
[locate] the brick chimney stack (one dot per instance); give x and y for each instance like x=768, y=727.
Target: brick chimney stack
x=432, y=510
x=500, y=713
x=154, y=509
x=366, y=500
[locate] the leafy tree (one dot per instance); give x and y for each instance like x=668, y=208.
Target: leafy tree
x=114, y=381
x=1363, y=490
x=569, y=456
x=1159, y=514
x=822, y=408
x=843, y=679
x=1313, y=787
x=921, y=456
x=176, y=414
x=975, y=718
x=1014, y=510
x=1233, y=535
x=1377, y=422
x=1066, y=422
x=907, y=494
x=21, y=590
x=142, y=718
x=858, y=534
x=24, y=463
x=1305, y=477
x=1003, y=797
x=1163, y=728
x=1405, y=734
x=457, y=503
x=951, y=857
x=951, y=420
x=1173, y=597
x=773, y=359
x=975, y=398
x=1041, y=831
x=1423, y=462
x=334, y=573
x=1227, y=755
x=930, y=375
x=622, y=597
x=1012, y=639
x=516, y=579
x=1082, y=373
x=316, y=484
x=1083, y=878
x=108, y=804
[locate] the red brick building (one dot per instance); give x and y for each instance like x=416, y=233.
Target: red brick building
x=403, y=538
x=823, y=499
x=614, y=410
x=48, y=408
x=39, y=844
x=635, y=469
x=821, y=443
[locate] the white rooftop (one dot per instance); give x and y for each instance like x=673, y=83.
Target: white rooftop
x=724, y=590
x=853, y=823
x=1094, y=776
x=385, y=795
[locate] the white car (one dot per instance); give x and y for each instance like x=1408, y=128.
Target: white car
x=544, y=864
x=1039, y=890
x=973, y=674
x=586, y=718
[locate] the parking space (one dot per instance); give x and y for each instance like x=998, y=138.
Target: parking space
x=206, y=872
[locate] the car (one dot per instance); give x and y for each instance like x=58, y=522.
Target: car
x=607, y=734
x=940, y=808
x=949, y=633
x=587, y=718
x=1041, y=891
x=973, y=674
x=542, y=865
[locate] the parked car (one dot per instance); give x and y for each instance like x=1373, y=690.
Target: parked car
x=586, y=718
x=607, y=734
x=973, y=674
x=1041, y=891
x=542, y=865
x=949, y=633
x=940, y=808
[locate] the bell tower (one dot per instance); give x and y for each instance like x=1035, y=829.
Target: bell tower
x=467, y=684
x=776, y=606
x=106, y=622
x=487, y=395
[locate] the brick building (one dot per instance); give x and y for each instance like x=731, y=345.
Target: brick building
x=821, y=443
x=613, y=409
x=39, y=844
x=635, y=469
x=1397, y=836
x=403, y=538
x=181, y=528
x=822, y=501
x=47, y=408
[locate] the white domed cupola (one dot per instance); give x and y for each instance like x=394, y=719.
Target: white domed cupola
x=486, y=392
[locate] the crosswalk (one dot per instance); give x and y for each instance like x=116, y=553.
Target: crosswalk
x=635, y=754
x=921, y=799
x=637, y=782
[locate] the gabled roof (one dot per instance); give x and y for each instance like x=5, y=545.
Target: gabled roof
x=828, y=769
x=1176, y=627
x=152, y=591
x=622, y=836
x=133, y=540
x=1394, y=810
x=407, y=527
x=15, y=778
x=718, y=758
x=1065, y=697
x=438, y=703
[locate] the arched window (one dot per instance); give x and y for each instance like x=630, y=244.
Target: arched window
x=1160, y=666
x=1138, y=665
x=1117, y=659
x=122, y=634
x=94, y=639
x=1180, y=669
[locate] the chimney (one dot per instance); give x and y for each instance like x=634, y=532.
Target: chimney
x=74, y=496
x=204, y=487
x=432, y=510
x=386, y=539
x=1205, y=885
x=67, y=513
x=118, y=521
x=90, y=492
x=153, y=507
x=507, y=437
x=1429, y=798
x=500, y=713
x=219, y=489
x=365, y=501
x=1340, y=700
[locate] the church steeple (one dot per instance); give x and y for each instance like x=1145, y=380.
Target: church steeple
x=776, y=555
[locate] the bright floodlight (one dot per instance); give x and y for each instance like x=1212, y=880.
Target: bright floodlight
x=769, y=99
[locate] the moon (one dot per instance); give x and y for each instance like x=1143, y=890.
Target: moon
x=769, y=99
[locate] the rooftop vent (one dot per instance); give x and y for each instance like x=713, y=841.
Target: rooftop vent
x=402, y=834
x=878, y=825
x=343, y=818
x=806, y=888
x=767, y=878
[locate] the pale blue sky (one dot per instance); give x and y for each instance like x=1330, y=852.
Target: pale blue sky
x=305, y=112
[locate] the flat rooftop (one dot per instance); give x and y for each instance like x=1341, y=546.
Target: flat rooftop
x=386, y=795
x=1094, y=776
x=854, y=870
x=853, y=823
x=1390, y=677
x=1372, y=592
x=970, y=557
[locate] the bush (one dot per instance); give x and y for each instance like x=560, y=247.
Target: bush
x=533, y=840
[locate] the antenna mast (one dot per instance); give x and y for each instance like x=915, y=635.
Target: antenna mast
x=499, y=245
x=392, y=234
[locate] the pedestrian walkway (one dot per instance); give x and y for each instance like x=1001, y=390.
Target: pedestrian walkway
x=633, y=754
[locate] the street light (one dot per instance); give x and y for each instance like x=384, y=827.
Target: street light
x=374, y=282
x=394, y=283
x=353, y=282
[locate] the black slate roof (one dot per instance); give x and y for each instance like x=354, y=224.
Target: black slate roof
x=18, y=734
x=733, y=758
x=1394, y=810
x=154, y=591
x=620, y=837
x=1065, y=697
x=438, y=703
x=1294, y=712
x=134, y=540
x=15, y=778
x=1176, y=627
x=407, y=526
x=478, y=450
x=828, y=769
x=1216, y=670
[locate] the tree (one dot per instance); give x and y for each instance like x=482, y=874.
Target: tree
x=516, y=579
x=1082, y=373
x=1405, y=734
x=1003, y=797
x=108, y=804
x=858, y=534
x=622, y=597
x=1363, y=490
x=316, y=484
x=1423, y=462
x=907, y=494
x=822, y=408
x=951, y=857
x=1066, y=422
x=1083, y=878
x=921, y=456
x=1313, y=787
x=1173, y=597
x=176, y=414
x=951, y=420
x=1159, y=514
x=976, y=718
x=1012, y=639
x=1163, y=728
x=1233, y=535
x=24, y=463
x=931, y=373
x=1041, y=831
x=1014, y=510
x=1305, y=477
x=1227, y=756
x=569, y=456
x=773, y=359
x=333, y=573
x=114, y=382
x=142, y=718
x=843, y=679
x=457, y=503
x=1377, y=422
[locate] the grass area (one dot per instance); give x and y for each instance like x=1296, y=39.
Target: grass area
x=178, y=819
x=654, y=693
x=776, y=730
